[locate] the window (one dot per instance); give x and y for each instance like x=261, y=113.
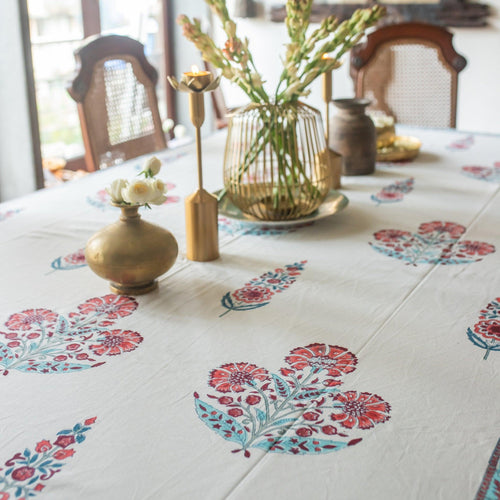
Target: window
x=56, y=29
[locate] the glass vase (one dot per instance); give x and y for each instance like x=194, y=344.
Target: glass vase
x=276, y=163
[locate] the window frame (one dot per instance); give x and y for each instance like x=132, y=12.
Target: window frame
x=91, y=21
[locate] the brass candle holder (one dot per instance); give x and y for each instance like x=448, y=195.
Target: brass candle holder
x=202, y=239
x=335, y=160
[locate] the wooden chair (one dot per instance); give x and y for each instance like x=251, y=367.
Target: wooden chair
x=409, y=71
x=115, y=93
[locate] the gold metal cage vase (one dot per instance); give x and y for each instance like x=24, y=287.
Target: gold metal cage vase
x=276, y=161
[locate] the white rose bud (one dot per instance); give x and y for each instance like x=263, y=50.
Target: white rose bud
x=153, y=165
x=137, y=192
x=115, y=190
x=158, y=189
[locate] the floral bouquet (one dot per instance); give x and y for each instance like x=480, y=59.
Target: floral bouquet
x=305, y=54
x=283, y=165
x=143, y=192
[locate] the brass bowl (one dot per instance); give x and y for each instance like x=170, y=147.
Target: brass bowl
x=404, y=148
x=386, y=136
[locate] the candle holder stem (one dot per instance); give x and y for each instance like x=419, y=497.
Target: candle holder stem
x=334, y=159
x=198, y=156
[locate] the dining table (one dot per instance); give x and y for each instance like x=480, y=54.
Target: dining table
x=352, y=354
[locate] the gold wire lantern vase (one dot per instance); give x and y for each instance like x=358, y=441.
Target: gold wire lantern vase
x=276, y=161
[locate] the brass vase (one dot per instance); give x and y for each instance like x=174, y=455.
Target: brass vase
x=131, y=253
x=276, y=162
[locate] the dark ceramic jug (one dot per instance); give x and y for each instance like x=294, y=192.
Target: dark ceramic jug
x=352, y=134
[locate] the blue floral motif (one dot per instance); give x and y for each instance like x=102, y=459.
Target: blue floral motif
x=27, y=471
x=490, y=485
x=483, y=173
x=394, y=192
x=259, y=291
x=301, y=411
x=436, y=242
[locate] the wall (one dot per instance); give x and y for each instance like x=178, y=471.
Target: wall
x=17, y=173
x=186, y=55
x=479, y=82
x=478, y=103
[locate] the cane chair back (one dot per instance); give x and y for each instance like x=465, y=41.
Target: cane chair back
x=116, y=98
x=409, y=71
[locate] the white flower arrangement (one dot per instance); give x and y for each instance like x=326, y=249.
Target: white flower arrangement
x=146, y=192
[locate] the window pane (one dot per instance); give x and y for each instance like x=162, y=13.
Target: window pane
x=56, y=30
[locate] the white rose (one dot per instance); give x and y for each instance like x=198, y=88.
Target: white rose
x=115, y=190
x=180, y=131
x=153, y=164
x=168, y=125
x=158, y=191
x=137, y=192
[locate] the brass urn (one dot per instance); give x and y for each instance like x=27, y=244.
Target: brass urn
x=131, y=253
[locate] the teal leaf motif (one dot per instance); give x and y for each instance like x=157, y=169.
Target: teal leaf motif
x=282, y=388
x=62, y=326
x=229, y=304
x=220, y=422
x=260, y=415
x=51, y=366
x=284, y=421
x=300, y=446
x=6, y=356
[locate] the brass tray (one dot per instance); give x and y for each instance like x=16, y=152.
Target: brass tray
x=404, y=148
x=333, y=203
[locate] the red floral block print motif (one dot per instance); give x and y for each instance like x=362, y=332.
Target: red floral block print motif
x=26, y=473
x=299, y=410
x=71, y=261
x=461, y=144
x=43, y=341
x=361, y=410
x=4, y=216
x=335, y=361
x=490, y=485
x=258, y=292
x=486, y=332
x=436, y=242
x=394, y=192
x=488, y=174
x=235, y=376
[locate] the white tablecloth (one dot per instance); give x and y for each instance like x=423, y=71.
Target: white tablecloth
x=355, y=357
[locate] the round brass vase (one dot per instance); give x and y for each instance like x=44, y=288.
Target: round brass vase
x=131, y=253
x=352, y=134
x=276, y=163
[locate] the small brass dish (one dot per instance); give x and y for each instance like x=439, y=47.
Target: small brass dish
x=404, y=148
